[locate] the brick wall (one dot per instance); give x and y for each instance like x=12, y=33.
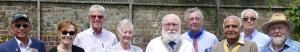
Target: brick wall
x=146, y=19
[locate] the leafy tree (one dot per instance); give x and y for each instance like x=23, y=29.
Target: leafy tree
x=293, y=14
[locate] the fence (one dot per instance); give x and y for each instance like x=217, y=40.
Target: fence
x=145, y=14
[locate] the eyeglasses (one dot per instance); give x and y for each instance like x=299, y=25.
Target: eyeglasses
x=251, y=19
x=70, y=32
x=22, y=25
x=96, y=16
x=169, y=25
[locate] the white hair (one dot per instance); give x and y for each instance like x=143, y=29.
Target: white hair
x=124, y=24
x=233, y=17
x=191, y=10
x=176, y=16
x=97, y=8
x=248, y=10
x=170, y=35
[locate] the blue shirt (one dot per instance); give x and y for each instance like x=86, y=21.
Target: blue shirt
x=205, y=41
x=289, y=46
x=259, y=38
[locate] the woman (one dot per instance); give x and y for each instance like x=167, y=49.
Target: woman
x=125, y=32
x=66, y=33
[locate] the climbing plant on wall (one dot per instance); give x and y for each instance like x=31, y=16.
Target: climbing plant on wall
x=293, y=14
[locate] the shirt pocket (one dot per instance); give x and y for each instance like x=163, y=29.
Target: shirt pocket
x=207, y=50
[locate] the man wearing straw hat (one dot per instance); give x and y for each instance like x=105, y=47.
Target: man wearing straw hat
x=278, y=28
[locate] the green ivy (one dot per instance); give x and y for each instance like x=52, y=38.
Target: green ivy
x=5, y=38
x=293, y=14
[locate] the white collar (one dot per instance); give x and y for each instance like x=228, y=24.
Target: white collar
x=240, y=41
x=20, y=44
x=130, y=47
x=91, y=29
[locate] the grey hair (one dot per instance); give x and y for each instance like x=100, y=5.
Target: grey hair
x=233, y=17
x=191, y=10
x=247, y=10
x=97, y=7
x=177, y=17
x=124, y=23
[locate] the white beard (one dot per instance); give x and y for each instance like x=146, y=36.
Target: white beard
x=168, y=36
x=278, y=40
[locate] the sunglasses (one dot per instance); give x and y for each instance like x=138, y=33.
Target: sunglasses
x=68, y=32
x=22, y=25
x=96, y=16
x=251, y=19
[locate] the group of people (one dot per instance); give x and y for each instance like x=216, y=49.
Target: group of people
x=241, y=35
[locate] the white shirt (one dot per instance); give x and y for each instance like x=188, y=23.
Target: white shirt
x=205, y=42
x=23, y=47
x=157, y=45
x=90, y=43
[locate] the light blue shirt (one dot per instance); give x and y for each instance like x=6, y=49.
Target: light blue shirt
x=259, y=38
x=205, y=42
x=289, y=46
x=92, y=43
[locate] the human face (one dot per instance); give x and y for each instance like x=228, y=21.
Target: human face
x=194, y=21
x=278, y=33
x=125, y=34
x=231, y=29
x=21, y=28
x=170, y=29
x=249, y=20
x=96, y=19
x=67, y=35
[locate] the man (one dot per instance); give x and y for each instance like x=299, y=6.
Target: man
x=278, y=28
x=202, y=40
x=170, y=40
x=96, y=38
x=233, y=42
x=21, y=42
x=250, y=32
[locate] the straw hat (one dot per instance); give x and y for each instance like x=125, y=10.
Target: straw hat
x=277, y=18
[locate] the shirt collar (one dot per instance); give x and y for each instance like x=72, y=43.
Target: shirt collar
x=287, y=44
x=22, y=44
x=197, y=35
x=91, y=29
x=120, y=46
x=240, y=41
x=250, y=36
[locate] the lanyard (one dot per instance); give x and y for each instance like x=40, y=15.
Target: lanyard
x=235, y=48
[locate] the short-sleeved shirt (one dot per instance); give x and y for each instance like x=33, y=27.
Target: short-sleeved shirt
x=92, y=43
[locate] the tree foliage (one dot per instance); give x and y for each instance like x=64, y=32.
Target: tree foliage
x=293, y=14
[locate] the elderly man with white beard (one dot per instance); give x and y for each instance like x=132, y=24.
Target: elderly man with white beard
x=170, y=40
x=278, y=28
